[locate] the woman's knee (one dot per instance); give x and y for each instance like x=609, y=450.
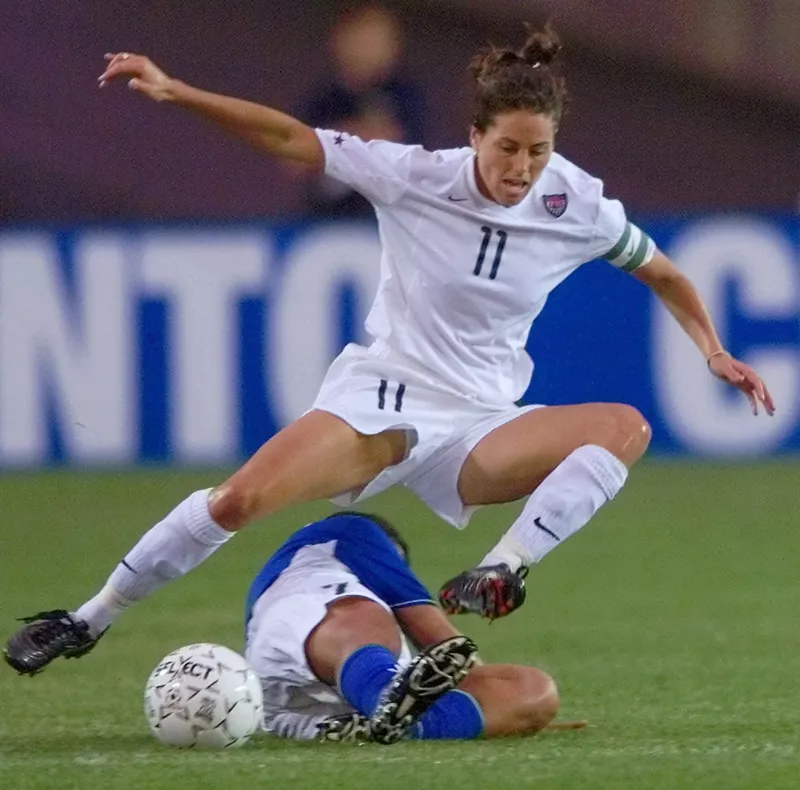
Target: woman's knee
x=233, y=504
x=515, y=699
x=625, y=432
x=539, y=697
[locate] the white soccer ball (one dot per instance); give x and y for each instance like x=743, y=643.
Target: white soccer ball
x=203, y=695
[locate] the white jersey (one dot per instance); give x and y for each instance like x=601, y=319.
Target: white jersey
x=463, y=278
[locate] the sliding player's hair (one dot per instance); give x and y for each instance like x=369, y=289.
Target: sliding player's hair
x=521, y=79
x=391, y=532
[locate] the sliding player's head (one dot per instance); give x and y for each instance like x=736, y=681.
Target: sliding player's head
x=519, y=101
x=393, y=535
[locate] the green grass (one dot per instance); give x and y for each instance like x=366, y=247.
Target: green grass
x=670, y=624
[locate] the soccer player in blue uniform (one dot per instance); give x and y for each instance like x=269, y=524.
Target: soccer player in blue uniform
x=329, y=619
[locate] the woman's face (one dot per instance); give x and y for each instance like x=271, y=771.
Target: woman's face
x=512, y=153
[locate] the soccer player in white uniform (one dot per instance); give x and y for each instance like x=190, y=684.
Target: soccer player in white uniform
x=327, y=619
x=474, y=239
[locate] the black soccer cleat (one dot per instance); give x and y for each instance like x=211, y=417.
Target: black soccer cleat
x=430, y=675
x=346, y=728
x=491, y=591
x=46, y=636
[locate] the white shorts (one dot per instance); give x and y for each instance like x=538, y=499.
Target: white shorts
x=374, y=392
x=295, y=699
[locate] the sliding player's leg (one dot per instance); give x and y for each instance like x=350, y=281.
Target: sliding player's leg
x=317, y=456
x=571, y=460
x=357, y=647
x=492, y=701
x=514, y=699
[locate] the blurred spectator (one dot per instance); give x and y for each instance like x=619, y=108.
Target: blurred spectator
x=368, y=97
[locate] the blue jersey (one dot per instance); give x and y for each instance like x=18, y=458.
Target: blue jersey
x=363, y=547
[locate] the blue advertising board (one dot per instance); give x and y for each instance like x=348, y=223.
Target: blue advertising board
x=192, y=344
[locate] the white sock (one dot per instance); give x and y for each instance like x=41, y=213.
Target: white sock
x=178, y=543
x=566, y=499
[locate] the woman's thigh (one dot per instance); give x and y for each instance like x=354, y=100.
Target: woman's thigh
x=316, y=457
x=513, y=459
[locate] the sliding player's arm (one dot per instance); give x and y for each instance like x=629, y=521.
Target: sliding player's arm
x=266, y=129
x=425, y=625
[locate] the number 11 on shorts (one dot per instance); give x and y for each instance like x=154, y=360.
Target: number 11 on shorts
x=398, y=397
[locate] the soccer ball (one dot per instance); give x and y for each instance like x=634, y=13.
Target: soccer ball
x=203, y=695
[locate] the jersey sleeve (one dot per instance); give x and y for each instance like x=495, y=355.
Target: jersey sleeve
x=390, y=578
x=620, y=242
x=400, y=585
x=378, y=565
x=377, y=169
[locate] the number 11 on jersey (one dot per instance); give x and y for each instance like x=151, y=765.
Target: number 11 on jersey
x=501, y=243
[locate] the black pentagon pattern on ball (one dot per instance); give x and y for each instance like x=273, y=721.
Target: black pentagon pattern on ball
x=179, y=684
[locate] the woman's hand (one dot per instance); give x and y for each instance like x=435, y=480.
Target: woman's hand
x=744, y=378
x=145, y=76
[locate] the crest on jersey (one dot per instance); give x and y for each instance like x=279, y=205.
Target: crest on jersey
x=555, y=204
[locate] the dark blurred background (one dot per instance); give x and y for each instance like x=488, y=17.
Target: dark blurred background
x=676, y=104
x=169, y=295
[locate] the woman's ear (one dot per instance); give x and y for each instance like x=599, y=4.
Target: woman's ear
x=475, y=137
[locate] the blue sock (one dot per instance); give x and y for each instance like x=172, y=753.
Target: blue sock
x=364, y=675
x=455, y=716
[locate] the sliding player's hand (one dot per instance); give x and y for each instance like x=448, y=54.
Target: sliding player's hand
x=744, y=378
x=143, y=75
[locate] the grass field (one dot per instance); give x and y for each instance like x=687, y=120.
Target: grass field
x=670, y=623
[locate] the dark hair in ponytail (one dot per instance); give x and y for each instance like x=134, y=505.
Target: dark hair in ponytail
x=523, y=79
